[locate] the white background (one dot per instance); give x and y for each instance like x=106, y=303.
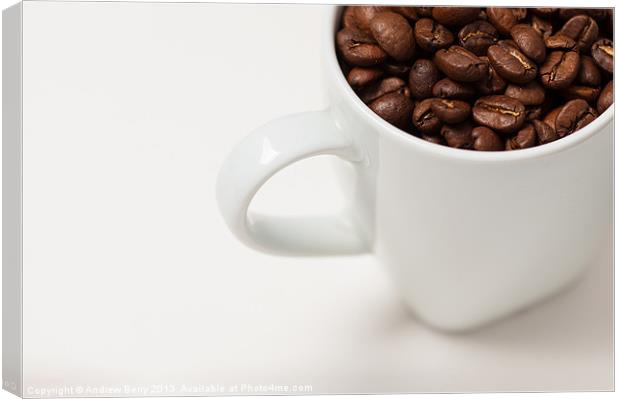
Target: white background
x=154, y=97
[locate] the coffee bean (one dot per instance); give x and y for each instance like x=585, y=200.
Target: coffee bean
x=397, y=69
x=603, y=54
x=460, y=64
x=590, y=94
x=529, y=42
x=358, y=48
x=542, y=26
x=424, y=119
x=486, y=139
x=560, y=42
x=533, y=112
x=573, y=116
x=525, y=138
x=423, y=76
x=431, y=36
x=589, y=74
x=364, y=14
x=455, y=16
x=505, y=18
x=530, y=94
x=348, y=18
x=544, y=12
x=448, y=88
x=459, y=135
x=511, y=64
x=492, y=83
x=385, y=86
x=433, y=138
x=394, y=35
x=501, y=113
x=544, y=132
x=550, y=118
x=451, y=111
x=408, y=12
x=478, y=36
x=582, y=29
x=606, y=98
x=394, y=107
x=560, y=69
x=360, y=77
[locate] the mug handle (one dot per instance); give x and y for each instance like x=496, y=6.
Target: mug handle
x=259, y=156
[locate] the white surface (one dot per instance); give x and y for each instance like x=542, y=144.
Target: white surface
x=154, y=97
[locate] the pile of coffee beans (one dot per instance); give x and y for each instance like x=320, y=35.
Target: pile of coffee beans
x=480, y=79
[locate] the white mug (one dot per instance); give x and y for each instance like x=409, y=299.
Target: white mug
x=467, y=236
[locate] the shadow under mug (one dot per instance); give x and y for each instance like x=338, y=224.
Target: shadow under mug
x=467, y=237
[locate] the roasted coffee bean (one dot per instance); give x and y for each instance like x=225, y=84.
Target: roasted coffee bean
x=606, y=98
x=459, y=135
x=590, y=94
x=544, y=12
x=544, y=132
x=560, y=69
x=364, y=14
x=589, y=74
x=530, y=94
x=478, y=36
x=603, y=54
x=501, y=113
x=432, y=36
x=424, y=119
x=424, y=74
x=394, y=35
x=385, y=86
x=582, y=29
x=408, y=12
x=448, y=88
x=511, y=64
x=360, y=77
x=573, y=116
x=460, y=64
x=529, y=42
x=395, y=108
x=525, y=138
x=451, y=111
x=542, y=26
x=568, y=13
x=348, y=18
x=550, y=118
x=359, y=49
x=455, y=16
x=492, y=83
x=486, y=139
x=533, y=112
x=560, y=42
x=397, y=69
x=433, y=138
x=505, y=18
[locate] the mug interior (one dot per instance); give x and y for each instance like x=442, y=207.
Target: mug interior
x=335, y=77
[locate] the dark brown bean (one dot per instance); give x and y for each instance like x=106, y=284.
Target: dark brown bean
x=486, y=139
x=590, y=94
x=544, y=132
x=460, y=64
x=397, y=69
x=530, y=94
x=360, y=77
x=455, y=16
x=408, y=12
x=424, y=119
x=544, y=12
x=451, y=111
x=511, y=64
x=542, y=26
x=525, y=138
x=385, y=86
x=394, y=35
x=395, y=108
x=505, y=18
x=359, y=49
x=478, y=36
x=560, y=69
x=423, y=76
x=603, y=54
x=606, y=98
x=550, y=118
x=529, y=42
x=582, y=29
x=433, y=138
x=431, y=36
x=459, y=135
x=501, y=113
x=560, y=42
x=573, y=116
x=448, y=88
x=364, y=14
x=589, y=74
x=492, y=83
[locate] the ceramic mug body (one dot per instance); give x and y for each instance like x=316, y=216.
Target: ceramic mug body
x=467, y=237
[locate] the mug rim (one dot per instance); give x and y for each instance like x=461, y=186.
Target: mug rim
x=338, y=79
